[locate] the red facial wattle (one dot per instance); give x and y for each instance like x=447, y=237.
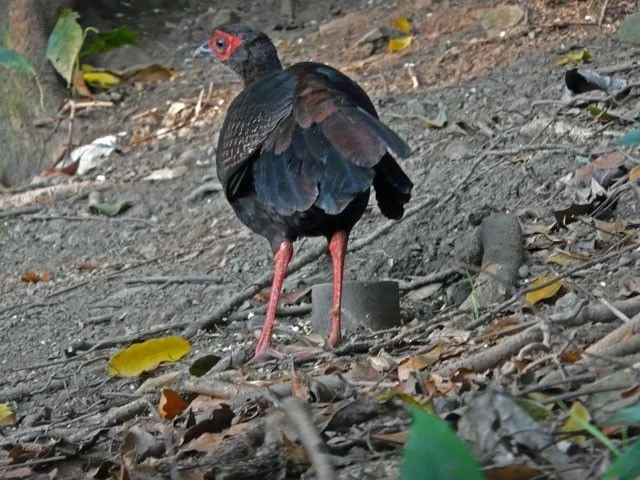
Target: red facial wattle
x=231, y=43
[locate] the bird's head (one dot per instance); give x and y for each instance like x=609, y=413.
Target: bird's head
x=248, y=52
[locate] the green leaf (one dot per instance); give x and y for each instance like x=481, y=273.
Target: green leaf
x=435, y=452
x=15, y=61
x=103, y=42
x=628, y=416
x=631, y=138
x=64, y=44
x=626, y=466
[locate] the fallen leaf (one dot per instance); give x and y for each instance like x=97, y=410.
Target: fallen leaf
x=202, y=365
x=512, y=472
x=167, y=173
x=105, y=208
x=398, y=44
x=579, y=56
x=399, y=438
x=441, y=386
x=171, y=404
x=600, y=114
x=536, y=410
x=570, y=357
x=419, y=362
x=149, y=73
x=34, y=277
x=634, y=174
x=142, y=444
x=402, y=23
x=147, y=355
x=496, y=329
x=579, y=411
x=541, y=291
x=286, y=298
x=219, y=421
x=80, y=86
x=87, y=267
x=422, y=293
x=205, y=443
x=103, y=78
x=561, y=257
x=295, y=453
x=7, y=416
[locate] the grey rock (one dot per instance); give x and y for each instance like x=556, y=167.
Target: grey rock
x=630, y=29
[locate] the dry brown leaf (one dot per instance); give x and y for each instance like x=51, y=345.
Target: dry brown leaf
x=542, y=290
x=295, y=453
x=441, y=386
x=34, y=277
x=496, y=329
x=149, y=73
x=570, y=357
x=80, y=86
x=419, y=362
x=205, y=443
x=399, y=438
x=634, y=174
x=511, y=472
x=87, y=267
x=286, y=298
x=171, y=404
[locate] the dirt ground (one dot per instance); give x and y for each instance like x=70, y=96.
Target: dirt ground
x=175, y=258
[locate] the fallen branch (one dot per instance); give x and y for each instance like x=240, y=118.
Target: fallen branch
x=495, y=355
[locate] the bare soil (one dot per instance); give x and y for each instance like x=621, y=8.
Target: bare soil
x=503, y=149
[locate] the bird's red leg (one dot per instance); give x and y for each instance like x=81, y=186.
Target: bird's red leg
x=338, y=250
x=281, y=261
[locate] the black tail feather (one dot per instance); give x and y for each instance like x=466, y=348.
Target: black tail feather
x=392, y=186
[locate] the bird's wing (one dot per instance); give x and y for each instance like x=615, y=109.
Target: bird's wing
x=251, y=117
x=324, y=150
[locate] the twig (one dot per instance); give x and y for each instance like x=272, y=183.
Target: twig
x=173, y=279
x=313, y=444
x=418, y=282
x=588, y=390
x=20, y=211
x=603, y=12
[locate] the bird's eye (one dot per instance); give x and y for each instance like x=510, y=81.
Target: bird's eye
x=221, y=44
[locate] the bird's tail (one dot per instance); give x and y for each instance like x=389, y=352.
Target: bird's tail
x=392, y=186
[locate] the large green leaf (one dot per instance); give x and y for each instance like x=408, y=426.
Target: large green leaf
x=64, y=43
x=626, y=466
x=628, y=416
x=15, y=61
x=102, y=42
x=435, y=452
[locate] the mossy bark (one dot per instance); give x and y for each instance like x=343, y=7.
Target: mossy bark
x=24, y=149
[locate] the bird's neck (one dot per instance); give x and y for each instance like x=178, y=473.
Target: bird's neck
x=261, y=63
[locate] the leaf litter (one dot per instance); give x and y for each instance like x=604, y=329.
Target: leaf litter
x=450, y=362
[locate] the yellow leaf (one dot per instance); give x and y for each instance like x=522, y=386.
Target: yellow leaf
x=397, y=44
x=634, y=174
x=561, y=257
x=544, y=292
x=7, y=417
x=145, y=356
x=579, y=415
x=574, y=57
x=402, y=23
x=103, y=79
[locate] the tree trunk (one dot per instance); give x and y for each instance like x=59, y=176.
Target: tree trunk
x=24, y=149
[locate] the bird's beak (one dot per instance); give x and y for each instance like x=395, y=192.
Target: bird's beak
x=202, y=49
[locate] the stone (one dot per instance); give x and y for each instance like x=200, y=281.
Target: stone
x=630, y=29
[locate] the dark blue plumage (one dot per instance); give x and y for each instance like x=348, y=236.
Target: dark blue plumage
x=299, y=151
